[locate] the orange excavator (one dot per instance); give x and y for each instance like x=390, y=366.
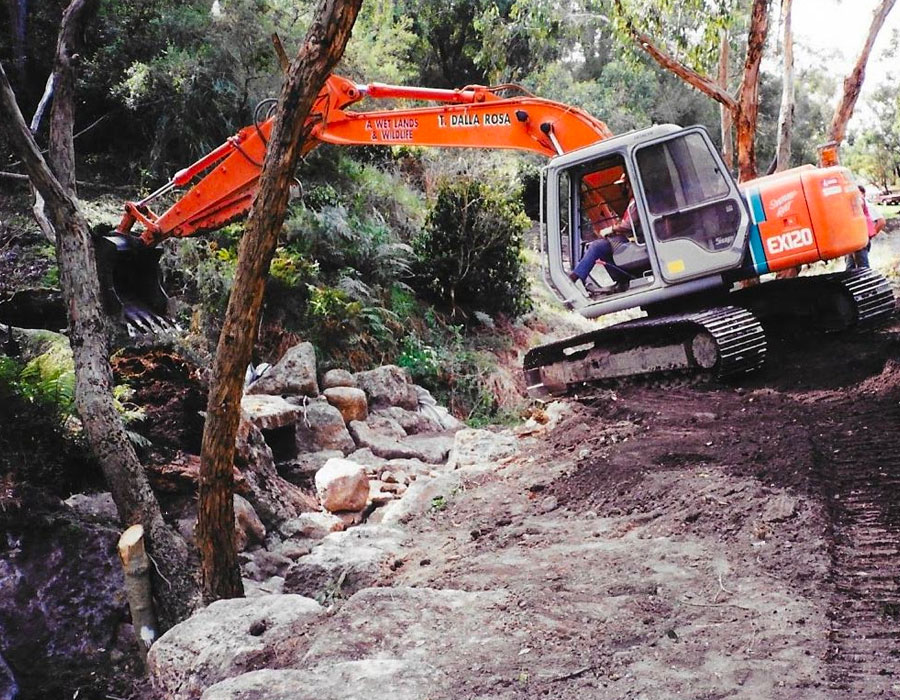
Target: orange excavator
x=691, y=231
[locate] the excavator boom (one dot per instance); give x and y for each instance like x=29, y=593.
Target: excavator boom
x=473, y=117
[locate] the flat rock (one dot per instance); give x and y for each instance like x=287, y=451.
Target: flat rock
x=94, y=507
x=345, y=562
x=388, y=446
x=388, y=386
x=432, y=449
x=351, y=402
x=342, y=485
x=419, y=498
x=480, y=448
x=269, y=412
x=294, y=374
x=229, y=638
x=367, y=679
x=338, y=377
x=450, y=630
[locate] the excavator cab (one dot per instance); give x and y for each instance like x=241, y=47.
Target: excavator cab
x=690, y=222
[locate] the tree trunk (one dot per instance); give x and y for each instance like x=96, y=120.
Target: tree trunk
x=748, y=94
x=786, y=113
x=323, y=46
x=87, y=334
x=853, y=82
x=726, y=118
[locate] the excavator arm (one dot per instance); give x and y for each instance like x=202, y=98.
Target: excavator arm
x=471, y=117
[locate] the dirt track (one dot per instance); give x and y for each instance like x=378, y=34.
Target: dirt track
x=696, y=541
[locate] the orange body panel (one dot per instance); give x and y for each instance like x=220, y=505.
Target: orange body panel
x=806, y=214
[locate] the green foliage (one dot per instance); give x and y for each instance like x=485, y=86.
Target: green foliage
x=468, y=257
x=449, y=363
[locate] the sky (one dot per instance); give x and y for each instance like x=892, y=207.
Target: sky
x=833, y=31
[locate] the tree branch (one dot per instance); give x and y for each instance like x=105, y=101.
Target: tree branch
x=700, y=82
x=853, y=83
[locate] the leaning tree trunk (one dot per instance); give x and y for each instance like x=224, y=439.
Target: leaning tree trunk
x=173, y=580
x=853, y=82
x=323, y=46
x=786, y=112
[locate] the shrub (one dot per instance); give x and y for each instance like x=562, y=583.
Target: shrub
x=468, y=257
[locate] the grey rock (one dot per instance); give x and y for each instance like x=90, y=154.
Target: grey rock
x=345, y=562
x=368, y=459
x=480, y=447
x=337, y=377
x=420, y=498
x=388, y=386
x=294, y=374
x=267, y=564
x=269, y=412
x=351, y=402
x=61, y=594
x=216, y=642
x=448, y=629
x=271, y=586
x=311, y=526
x=366, y=679
x=9, y=689
x=248, y=528
x=321, y=427
x=431, y=449
x=412, y=422
x=94, y=507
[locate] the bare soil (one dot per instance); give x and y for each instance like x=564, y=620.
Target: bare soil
x=695, y=541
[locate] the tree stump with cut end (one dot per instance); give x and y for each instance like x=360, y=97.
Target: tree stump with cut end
x=136, y=565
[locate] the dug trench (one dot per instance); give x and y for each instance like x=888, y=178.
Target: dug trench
x=694, y=541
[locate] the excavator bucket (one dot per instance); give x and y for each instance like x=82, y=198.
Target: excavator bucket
x=130, y=281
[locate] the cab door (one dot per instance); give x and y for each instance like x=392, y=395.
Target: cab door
x=697, y=218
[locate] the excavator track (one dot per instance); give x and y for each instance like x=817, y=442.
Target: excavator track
x=851, y=300
x=721, y=341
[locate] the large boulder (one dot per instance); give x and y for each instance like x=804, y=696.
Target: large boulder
x=337, y=377
x=293, y=375
x=229, y=638
x=384, y=438
x=269, y=412
x=351, y=402
x=349, y=680
x=388, y=386
x=63, y=604
x=321, y=427
x=345, y=562
x=342, y=485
